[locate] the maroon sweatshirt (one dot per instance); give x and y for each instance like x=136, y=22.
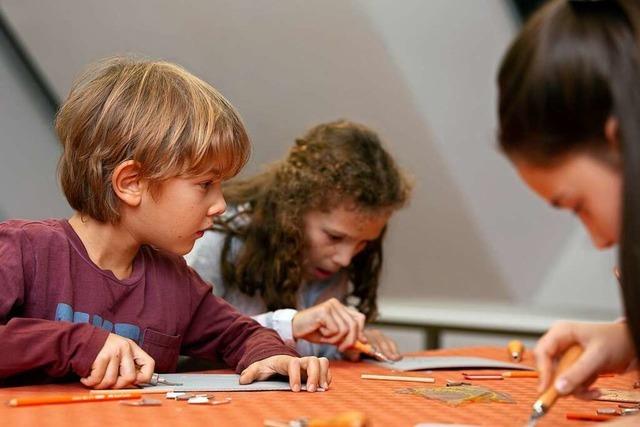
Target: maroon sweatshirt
x=57, y=308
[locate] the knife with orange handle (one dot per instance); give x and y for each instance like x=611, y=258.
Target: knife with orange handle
x=369, y=350
x=549, y=397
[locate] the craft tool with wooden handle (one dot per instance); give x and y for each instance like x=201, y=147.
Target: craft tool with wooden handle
x=515, y=349
x=549, y=397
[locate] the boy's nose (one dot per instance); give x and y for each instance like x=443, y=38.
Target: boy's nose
x=217, y=208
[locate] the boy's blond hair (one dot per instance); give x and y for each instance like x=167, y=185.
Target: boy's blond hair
x=152, y=112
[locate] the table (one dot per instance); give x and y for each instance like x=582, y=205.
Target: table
x=378, y=399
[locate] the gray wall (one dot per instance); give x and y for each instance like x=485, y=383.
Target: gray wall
x=28, y=148
x=421, y=73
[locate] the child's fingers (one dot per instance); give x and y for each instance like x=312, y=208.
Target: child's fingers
x=110, y=374
x=325, y=375
x=383, y=343
x=293, y=370
x=340, y=329
x=144, y=364
x=388, y=348
x=329, y=329
x=360, y=320
x=128, y=373
x=97, y=371
x=250, y=374
x=352, y=333
x=312, y=367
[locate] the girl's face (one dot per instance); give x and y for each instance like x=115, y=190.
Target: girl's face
x=333, y=238
x=588, y=187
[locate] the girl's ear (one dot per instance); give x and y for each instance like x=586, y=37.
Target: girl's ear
x=126, y=182
x=612, y=134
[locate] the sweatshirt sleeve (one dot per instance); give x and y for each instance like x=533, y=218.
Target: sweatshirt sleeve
x=217, y=329
x=280, y=321
x=54, y=347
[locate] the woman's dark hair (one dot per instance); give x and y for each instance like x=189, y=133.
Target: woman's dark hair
x=334, y=163
x=574, y=65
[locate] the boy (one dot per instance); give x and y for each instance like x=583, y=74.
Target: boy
x=106, y=295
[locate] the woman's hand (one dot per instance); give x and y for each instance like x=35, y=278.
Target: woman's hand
x=607, y=347
x=315, y=370
x=330, y=322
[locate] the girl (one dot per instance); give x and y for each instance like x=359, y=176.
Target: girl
x=307, y=235
x=569, y=106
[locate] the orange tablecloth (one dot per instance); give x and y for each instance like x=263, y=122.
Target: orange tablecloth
x=378, y=399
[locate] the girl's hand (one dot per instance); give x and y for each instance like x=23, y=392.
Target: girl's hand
x=330, y=322
x=380, y=342
x=383, y=343
x=312, y=369
x=607, y=347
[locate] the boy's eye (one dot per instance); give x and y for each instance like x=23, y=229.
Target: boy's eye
x=205, y=185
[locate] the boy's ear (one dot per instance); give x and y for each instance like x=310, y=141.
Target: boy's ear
x=126, y=182
x=612, y=134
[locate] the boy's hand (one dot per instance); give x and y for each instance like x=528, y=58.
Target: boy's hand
x=330, y=322
x=119, y=364
x=312, y=369
x=378, y=341
x=607, y=347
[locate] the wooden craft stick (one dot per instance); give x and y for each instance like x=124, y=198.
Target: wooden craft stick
x=136, y=391
x=69, y=398
x=397, y=378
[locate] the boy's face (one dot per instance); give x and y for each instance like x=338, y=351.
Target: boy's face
x=179, y=212
x=333, y=238
x=585, y=185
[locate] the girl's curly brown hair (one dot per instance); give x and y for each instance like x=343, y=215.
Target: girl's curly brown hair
x=333, y=164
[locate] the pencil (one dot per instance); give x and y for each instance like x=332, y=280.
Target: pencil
x=397, y=378
x=587, y=416
x=535, y=374
x=520, y=374
x=69, y=398
x=137, y=391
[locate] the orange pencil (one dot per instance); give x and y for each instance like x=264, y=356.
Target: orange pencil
x=587, y=416
x=69, y=398
x=520, y=374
